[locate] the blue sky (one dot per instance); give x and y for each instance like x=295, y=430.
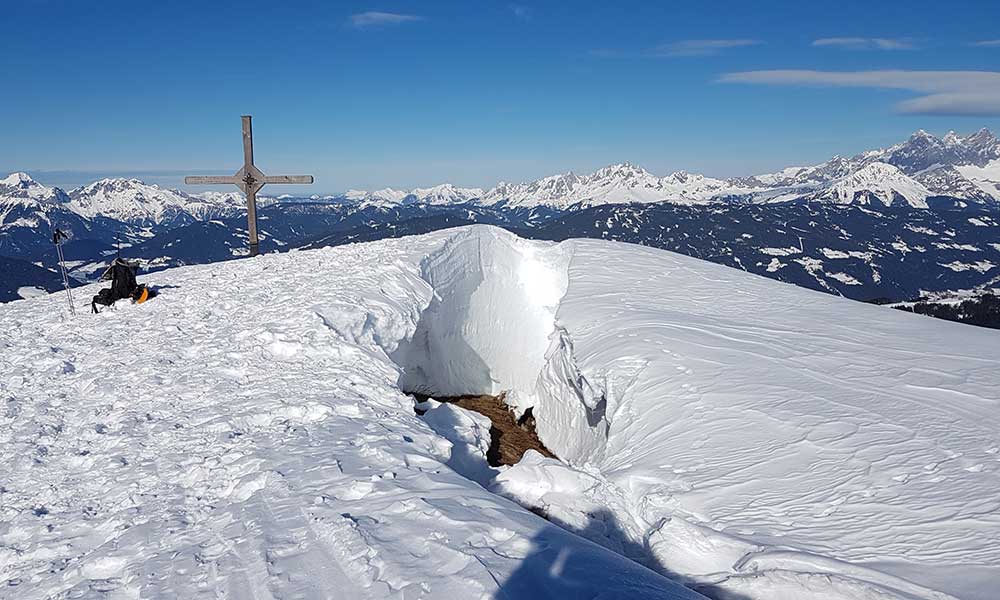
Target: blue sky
x=409, y=93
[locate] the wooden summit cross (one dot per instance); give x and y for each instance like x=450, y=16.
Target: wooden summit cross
x=249, y=179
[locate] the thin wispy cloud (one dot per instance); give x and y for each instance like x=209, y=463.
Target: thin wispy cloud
x=608, y=53
x=952, y=93
x=679, y=48
x=863, y=43
x=521, y=12
x=700, y=47
x=378, y=19
x=987, y=43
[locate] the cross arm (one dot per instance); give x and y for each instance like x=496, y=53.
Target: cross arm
x=288, y=179
x=211, y=179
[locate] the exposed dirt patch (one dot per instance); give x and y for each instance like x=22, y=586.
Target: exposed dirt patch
x=510, y=438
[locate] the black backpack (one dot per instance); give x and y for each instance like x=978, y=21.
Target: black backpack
x=123, y=285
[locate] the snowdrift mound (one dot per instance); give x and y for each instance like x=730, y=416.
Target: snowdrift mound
x=489, y=327
x=775, y=442
x=750, y=439
x=491, y=312
x=680, y=400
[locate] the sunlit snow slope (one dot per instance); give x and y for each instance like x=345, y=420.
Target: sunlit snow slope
x=786, y=433
x=243, y=434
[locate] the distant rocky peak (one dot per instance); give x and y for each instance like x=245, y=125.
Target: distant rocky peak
x=683, y=177
x=620, y=170
x=19, y=179
x=120, y=183
x=983, y=141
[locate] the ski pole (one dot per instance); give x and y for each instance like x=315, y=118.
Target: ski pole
x=57, y=239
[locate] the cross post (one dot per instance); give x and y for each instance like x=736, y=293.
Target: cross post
x=249, y=179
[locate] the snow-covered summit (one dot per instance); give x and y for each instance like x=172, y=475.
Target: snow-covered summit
x=924, y=151
x=626, y=182
x=385, y=196
x=954, y=165
x=554, y=190
x=983, y=147
x=18, y=179
x=20, y=185
x=136, y=202
x=445, y=193
x=620, y=171
x=617, y=183
x=613, y=184
x=770, y=443
x=26, y=203
x=129, y=200
x=877, y=183
x=951, y=138
x=915, y=157
x=234, y=198
x=983, y=138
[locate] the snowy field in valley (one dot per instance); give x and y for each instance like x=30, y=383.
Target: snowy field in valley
x=244, y=434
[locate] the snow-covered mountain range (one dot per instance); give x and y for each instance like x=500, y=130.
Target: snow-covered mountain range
x=875, y=183
x=443, y=194
x=133, y=201
x=26, y=202
x=613, y=184
x=129, y=201
x=953, y=174
x=966, y=169
x=924, y=166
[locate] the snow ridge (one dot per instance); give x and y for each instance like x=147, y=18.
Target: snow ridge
x=752, y=445
x=618, y=183
x=588, y=394
x=319, y=483
x=920, y=155
x=21, y=188
x=25, y=203
x=135, y=202
x=877, y=183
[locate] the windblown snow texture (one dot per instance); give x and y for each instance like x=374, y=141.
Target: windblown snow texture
x=244, y=435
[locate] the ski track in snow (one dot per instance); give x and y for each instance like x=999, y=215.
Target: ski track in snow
x=243, y=434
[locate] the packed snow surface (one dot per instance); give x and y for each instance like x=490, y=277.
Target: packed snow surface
x=244, y=433
x=182, y=448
